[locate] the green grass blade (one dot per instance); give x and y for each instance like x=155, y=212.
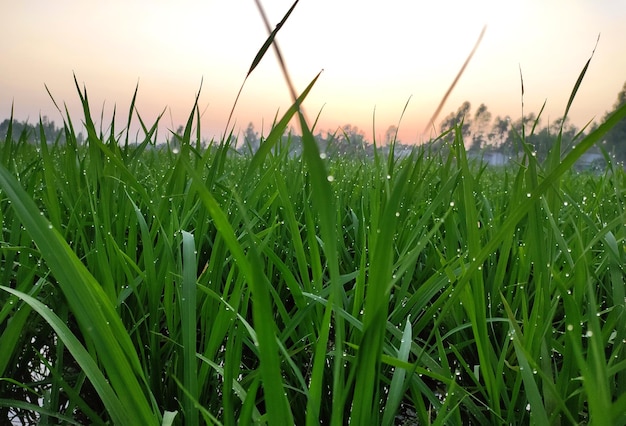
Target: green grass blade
x=317, y=374
x=275, y=135
x=396, y=389
x=251, y=266
x=241, y=392
x=536, y=406
x=579, y=81
x=88, y=302
x=189, y=329
x=262, y=51
x=376, y=302
x=324, y=204
x=118, y=411
x=523, y=208
x=270, y=39
x=168, y=418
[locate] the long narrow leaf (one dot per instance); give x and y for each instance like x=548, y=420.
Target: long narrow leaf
x=114, y=406
x=88, y=302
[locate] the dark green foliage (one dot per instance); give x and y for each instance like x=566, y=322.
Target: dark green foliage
x=615, y=142
x=417, y=289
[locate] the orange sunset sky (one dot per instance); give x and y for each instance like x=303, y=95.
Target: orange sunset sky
x=375, y=55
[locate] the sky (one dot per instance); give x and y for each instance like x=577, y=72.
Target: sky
x=384, y=62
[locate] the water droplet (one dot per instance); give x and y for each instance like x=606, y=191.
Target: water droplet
x=330, y=178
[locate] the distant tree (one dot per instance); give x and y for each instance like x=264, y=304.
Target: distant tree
x=353, y=134
x=462, y=115
x=348, y=140
x=520, y=128
x=4, y=127
x=391, y=134
x=500, y=130
x=30, y=132
x=482, y=118
x=18, y=129
x=251, y=138
x=615, y=140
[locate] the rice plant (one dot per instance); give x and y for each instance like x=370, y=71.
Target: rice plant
x=182, y=284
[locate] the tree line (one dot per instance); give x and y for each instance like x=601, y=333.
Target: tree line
x=23, y=130
x=481, y=133
x=503, y=134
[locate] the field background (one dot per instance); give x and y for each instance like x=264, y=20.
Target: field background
x=297, y=284
x=148, y=284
